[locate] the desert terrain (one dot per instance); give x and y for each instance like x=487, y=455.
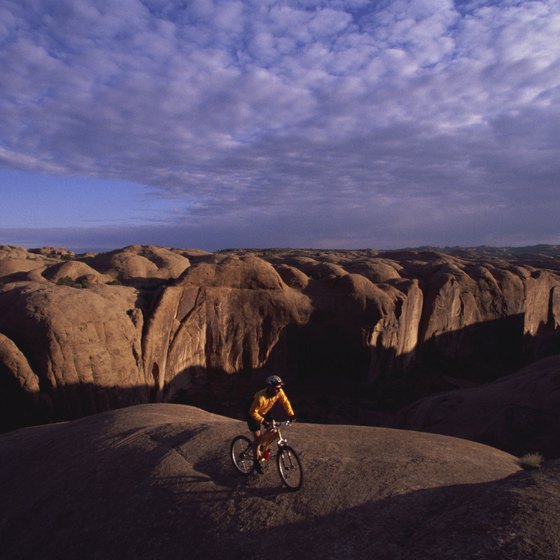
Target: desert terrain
x=419, y=377
x=357, y=335
x=156, y=481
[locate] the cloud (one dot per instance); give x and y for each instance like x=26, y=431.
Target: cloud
x=360, y=119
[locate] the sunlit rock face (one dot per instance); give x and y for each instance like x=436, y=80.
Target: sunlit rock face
x=140, y=265
x=474, y=318
x=72, y=346
x=225, y=316
x=85, y=333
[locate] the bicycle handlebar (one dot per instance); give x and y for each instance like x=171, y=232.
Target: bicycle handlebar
x=277, y=424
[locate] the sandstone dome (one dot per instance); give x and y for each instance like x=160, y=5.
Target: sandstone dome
x=156, y=481
x=74, y=271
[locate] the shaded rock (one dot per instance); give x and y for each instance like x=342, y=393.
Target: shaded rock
x=368, y=493
x=192, y=254
x=317, y=269
x=515, y=518
x=358, y=329
x=12, y=252
x=13, y=360
x=519, y=413
x=242, y=273
x=378, y=270
x=474, y=319
x=20, y=402
x=293, y=277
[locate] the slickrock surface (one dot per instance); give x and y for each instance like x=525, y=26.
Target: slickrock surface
x=155, y=481
x=518, y=413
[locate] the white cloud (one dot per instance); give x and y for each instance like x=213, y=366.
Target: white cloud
x=249, y=108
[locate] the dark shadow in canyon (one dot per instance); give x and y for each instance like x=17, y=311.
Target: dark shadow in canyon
x=327, y=370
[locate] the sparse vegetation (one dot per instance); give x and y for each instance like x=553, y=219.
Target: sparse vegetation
x=80, y=283
x=531, y=461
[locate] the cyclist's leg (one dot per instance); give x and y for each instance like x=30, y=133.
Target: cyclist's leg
x=256, y=444
x=267, y=436
x=255, y=429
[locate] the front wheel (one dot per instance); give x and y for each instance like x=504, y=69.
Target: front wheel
x=289, y=467
x=242, y=455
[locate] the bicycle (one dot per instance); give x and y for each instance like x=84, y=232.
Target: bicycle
x=287, y=460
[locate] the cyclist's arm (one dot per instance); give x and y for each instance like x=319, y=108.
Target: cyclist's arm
x=286, y=403
x=254, y=411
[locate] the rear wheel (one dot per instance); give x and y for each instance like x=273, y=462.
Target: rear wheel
x=289, y=467
x=242, y=454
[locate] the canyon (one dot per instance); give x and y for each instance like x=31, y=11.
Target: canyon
x=423, y=380
x=357, y=335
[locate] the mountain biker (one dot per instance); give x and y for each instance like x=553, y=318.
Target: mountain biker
x=259, y=412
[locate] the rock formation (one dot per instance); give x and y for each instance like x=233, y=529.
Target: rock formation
x=75, y=272
x=140, y=324
x=226, y=316
x=519, y=413
x=140, y=265
x=156, y=481
x=73, y=346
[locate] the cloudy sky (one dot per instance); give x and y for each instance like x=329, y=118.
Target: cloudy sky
x=279, y=123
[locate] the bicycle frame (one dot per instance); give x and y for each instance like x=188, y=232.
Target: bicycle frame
x=288, y=462
x=280, y=440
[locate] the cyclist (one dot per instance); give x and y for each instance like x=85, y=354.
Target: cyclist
x=259, y=412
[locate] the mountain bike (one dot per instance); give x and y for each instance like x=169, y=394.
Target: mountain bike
x=287, y=460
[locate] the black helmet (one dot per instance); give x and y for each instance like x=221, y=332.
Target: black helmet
x=273, y=381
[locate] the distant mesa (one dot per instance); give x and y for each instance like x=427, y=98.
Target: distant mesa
x=359, y=335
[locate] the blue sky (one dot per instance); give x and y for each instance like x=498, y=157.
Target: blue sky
x=261, y=123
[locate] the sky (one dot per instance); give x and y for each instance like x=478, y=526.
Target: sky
x=215, y=124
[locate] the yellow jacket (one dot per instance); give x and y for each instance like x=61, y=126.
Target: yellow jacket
x=262, y=403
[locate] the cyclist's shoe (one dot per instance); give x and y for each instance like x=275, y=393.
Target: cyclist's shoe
x=259, y=468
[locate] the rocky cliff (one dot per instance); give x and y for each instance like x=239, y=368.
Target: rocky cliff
x=86, y=333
